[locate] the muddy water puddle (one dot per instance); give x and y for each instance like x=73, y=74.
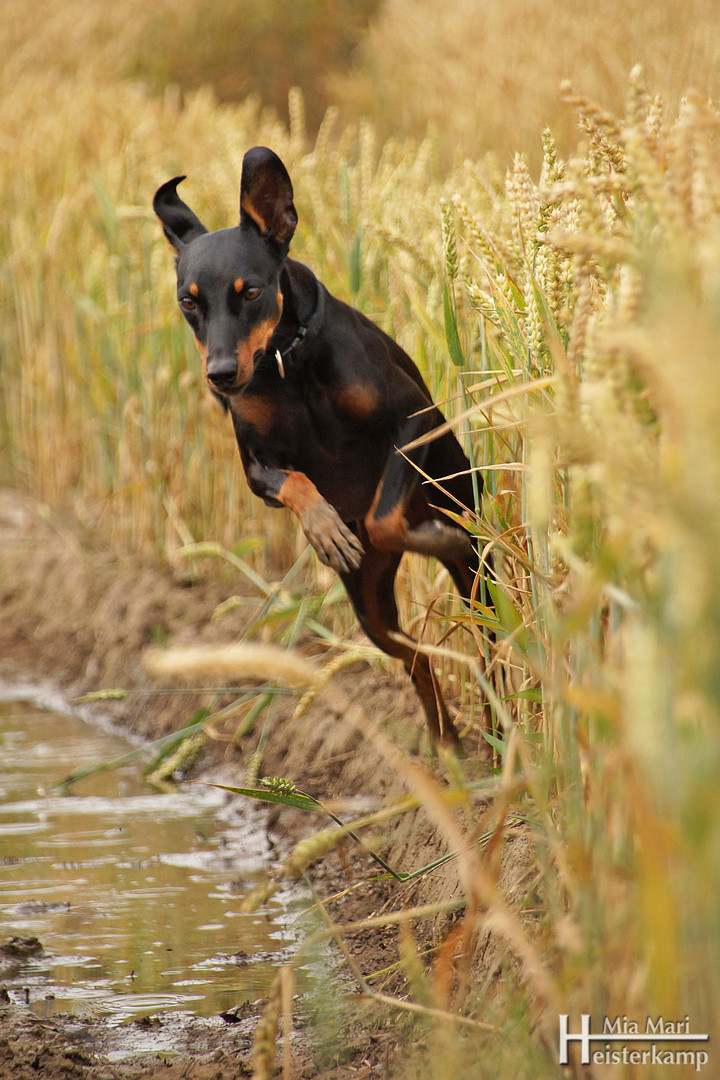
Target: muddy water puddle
x=134, y=895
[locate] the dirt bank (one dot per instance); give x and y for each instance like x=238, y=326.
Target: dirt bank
x=79, y=615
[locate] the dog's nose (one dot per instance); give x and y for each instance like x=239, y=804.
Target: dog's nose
x=221, y=370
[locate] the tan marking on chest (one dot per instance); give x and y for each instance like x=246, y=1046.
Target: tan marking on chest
x=253, y=409
x=358, y=399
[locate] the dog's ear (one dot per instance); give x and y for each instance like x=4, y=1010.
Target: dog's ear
x=266, y=195
x=179, y=223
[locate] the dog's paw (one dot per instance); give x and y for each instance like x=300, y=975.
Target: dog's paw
x=439, y=540
x=336, y=545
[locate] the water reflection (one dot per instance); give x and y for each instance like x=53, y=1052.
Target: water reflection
x=134, y=896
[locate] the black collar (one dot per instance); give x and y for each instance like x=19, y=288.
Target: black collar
x=305, y=334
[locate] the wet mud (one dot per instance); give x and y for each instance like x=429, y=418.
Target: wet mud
x=76, y=616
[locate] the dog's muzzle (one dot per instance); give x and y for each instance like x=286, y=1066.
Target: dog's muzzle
x=222, y=372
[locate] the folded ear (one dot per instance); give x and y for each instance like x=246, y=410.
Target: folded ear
x=179, y=223
x=266, y=195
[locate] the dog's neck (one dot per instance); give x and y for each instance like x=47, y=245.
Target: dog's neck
x=302, y=310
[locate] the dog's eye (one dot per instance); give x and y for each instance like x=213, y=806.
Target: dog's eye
x=252, y=292
x=187, y=304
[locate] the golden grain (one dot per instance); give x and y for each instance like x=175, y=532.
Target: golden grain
x=247, y=660
x=586, y=296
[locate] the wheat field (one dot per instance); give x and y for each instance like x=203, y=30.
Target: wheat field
x=565, y=309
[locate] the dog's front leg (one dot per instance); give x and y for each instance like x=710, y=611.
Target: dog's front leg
x=336, y=545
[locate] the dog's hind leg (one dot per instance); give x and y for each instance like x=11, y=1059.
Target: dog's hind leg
x=372, y=594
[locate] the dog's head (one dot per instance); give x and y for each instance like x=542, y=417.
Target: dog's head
x=229, y=281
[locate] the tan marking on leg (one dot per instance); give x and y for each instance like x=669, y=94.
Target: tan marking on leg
x=297, y=492
x=388, y=532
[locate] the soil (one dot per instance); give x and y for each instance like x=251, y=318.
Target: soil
x=77, y=616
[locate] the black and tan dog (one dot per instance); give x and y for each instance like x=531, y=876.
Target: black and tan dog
x=322, y=402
